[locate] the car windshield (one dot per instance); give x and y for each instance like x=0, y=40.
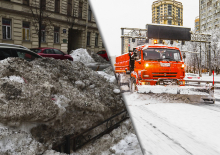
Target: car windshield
x=161, y=54
x=35, y=50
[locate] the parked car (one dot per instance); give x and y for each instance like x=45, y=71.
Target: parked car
x=51, y=52
x=103, y=54
x=191, y=76
x=11, y=50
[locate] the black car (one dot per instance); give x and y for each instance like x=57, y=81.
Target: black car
x=11, y=50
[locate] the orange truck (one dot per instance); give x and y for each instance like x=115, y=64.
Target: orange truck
x=150, y=65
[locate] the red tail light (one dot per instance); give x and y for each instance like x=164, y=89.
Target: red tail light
x=189, y=77
x=198, y=77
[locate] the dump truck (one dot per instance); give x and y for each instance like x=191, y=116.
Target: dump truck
x=150, y=65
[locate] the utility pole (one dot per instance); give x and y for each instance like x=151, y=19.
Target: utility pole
x=210, y=67
x=200, y=54
x=86, y=24
x=40, y=25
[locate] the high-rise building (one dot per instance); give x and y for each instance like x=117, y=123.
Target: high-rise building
x=197, y=24
x=167, y=12
x=209, y=14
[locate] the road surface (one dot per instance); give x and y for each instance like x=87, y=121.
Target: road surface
x=166, y=125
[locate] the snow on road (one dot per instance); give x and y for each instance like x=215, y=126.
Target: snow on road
x=166, y=127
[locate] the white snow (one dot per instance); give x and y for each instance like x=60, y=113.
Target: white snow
x=116, y=91
x=110, y=78
x=127, y=146
x=14, y=78
x=166, y=126
x=82, y=55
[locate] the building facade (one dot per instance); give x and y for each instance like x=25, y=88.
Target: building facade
x=197, y=24
x=168, y=12
x=65, y=24
x=209, y=14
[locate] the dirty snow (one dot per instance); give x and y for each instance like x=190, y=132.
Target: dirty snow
x=57, y=99
x=109, y=77
x=120, y=141
x=46, y=99
x=94, y=62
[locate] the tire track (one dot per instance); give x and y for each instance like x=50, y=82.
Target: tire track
x=159, y=137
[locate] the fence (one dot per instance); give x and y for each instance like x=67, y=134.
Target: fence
x=74, y=142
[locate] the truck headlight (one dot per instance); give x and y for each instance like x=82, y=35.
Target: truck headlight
x=146, y=65
x=183, y=65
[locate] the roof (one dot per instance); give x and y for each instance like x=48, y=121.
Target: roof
x=143, y=47
x=12, y=45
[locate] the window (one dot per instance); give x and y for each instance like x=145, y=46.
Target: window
x=69, y=8
x=57, y=6
x=96, y=39
x=26, y=2
x=169, y=22
x=80, y=9
x=56, y=51
x=48, y=51
x=26, y=31
x=43, y=4
x=5, y=53
x=89, y=14
x=169, y=10
x=88, y=38
x=43, y=33
x=6, y=28
x=56, y=34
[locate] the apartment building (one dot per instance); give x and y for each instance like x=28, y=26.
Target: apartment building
x=209, y=14
x=167, y=12
x=65, y=24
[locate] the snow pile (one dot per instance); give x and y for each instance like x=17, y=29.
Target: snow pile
x=108, y=77
x=98, y=58
x=109, y=70
x=57, y=98
x=120, y=141
x=81, y=55
x=18, y=142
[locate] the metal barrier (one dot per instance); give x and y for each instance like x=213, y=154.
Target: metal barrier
x=74, y=142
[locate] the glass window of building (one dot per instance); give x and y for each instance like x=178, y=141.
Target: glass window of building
x=43, y=33
x=57, y=6
x=6, y=28
x=169, y=22
x=56, y=34
x=26, y=31
x=88, y=38
x=170, y=10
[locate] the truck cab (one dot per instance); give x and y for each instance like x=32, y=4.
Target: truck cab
x=158, y=64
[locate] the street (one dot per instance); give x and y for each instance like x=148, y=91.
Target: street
x=168, y=124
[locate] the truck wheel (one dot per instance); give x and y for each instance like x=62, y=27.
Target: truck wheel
x=132, y=85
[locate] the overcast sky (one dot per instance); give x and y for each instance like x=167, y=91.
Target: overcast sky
x=111, y=15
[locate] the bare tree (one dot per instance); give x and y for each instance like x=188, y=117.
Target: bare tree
x=41, y=18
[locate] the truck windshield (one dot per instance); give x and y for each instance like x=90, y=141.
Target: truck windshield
x=161, y=54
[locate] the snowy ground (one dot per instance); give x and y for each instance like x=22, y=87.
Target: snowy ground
x=168, y=124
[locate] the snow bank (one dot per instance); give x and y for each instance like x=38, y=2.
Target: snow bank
x=120, y=141
x=98, y=58
x=58, y=96
x=81, y=55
